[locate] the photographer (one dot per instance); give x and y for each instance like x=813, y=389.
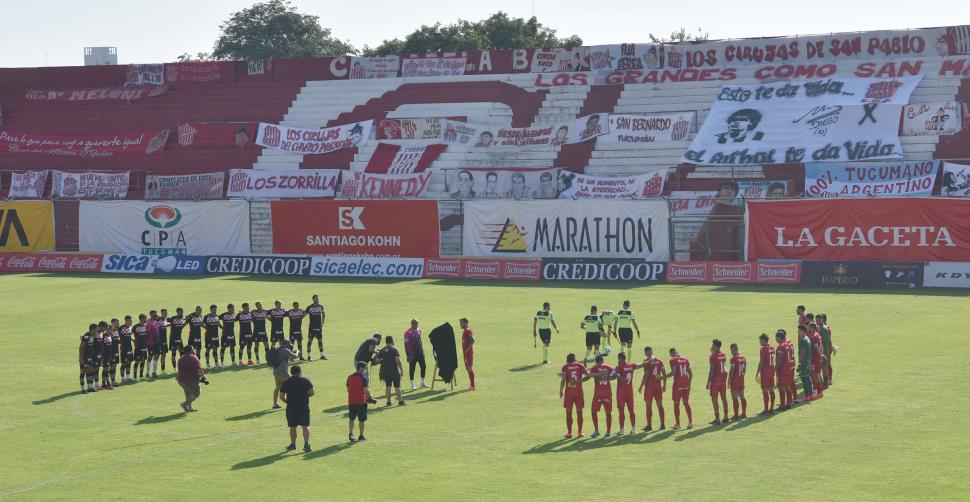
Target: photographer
x=357, y=398
x=284, y=354
x=296, y=392
x=190, y=374
x=365, y=353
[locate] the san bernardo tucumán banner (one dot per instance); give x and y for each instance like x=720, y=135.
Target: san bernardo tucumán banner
x=567, y=229
x=169, y=228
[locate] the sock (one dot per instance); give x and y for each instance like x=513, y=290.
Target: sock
x=471, y=377
x=772, y=400
x=765, y=397
x=579, y=423
x=586, y=357
x=744, y=407
x=114, y=372
x=677, y=412
x=90, y=379
x=621, y=418
x=649, y=416
x=232, y=354
x=690, y=419
x=734, y=401
x=717, y=412
x=412, y=383
x=545, y=353
x=596, y=422
x=206, y=357
x=155, y=366
x=82, y=380
x=104, y=377
x=422, y=380
x=660, y=411
x=609, y=423
x=569, y=422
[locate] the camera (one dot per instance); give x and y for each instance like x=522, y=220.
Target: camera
x=205, y=381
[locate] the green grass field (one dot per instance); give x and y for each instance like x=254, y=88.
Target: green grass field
x=894, y=426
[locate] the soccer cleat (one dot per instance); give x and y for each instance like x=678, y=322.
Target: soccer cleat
x=606, y=435
x=743, y=417
x=401, y=403
x=306, y=448
x=276, y=406
x=412, y=385
x=735, y=418
x=716, y=422
x=676, y=427
x=302, y=359
x=568, y=436
x=662, y=427
x=250, y=363
x=620, y=432
x=545, y=362
x=690, y=426
x=387, y=404
x=471, y=387
x=185, y=407
x=361, y=438
x=323, y=357
x=291, y=447
x=579, y=435
x=84, y=391
x=595, y=434
x=647, y=429
x=351, y=439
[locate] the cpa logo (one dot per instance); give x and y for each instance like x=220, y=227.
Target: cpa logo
x=162, y=216
x=348, y=218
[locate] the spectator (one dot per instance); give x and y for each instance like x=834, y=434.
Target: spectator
x=190, y=373
x=296, y=392
x=357, y=398
x=391, y=370
x=414, y=351
x=285, y=354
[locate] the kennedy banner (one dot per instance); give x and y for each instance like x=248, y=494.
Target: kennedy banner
x=862, y=274
x=358, y=185
x=932, y=119
x=67, y=185
x=482, y=268
x=313, y=141
x=626, y=57
x=956, y=180
x=903, y=229
x=389, y=228
x=171, y=228
x=366, y=266
x=56, y=262
x=374, y=67
x=582, y=186
x=567, y=229
x=417, y=128
x=941, y=274
x=28, y=184
x=96, y=94
x=145, y=74
x=724, y=272
x=836, y=119
x=598, y=269
x=517, y=184
x=26, y=226
x=282, y=184
x=433, y=67
x=654, y=128
x=868, y=179
x=185, y=186
x=398, y=159
x=103, y=145
x=196, y=71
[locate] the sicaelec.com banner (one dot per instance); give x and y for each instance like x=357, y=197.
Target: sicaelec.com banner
x=366, y=266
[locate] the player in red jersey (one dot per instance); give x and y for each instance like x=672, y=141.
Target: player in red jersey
x=717, y=380
x=653, y=385
x=624, y=390
x=468, y=349
x=739, y=365
x=766, y=374
x=800, y=310
x=680, y=368
x=602, y=395
x=785, y=369
x=817, y=357
x=571, y=392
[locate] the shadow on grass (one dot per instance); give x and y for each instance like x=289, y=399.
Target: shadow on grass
x=249, y=416
x=326, y=452
x=259, y=462
x=162, y=419
x=56, y=398
x=526, y=367
x=589, y=443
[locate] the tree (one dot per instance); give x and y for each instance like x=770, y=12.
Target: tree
x=496, y=32
x=185, y=57
x=681, y=35
x=273, y=30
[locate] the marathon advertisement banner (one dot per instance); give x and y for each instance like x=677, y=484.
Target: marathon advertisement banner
x=584, y=269
x=482, y=268
x=902, y=229
x=259, y=265
x=196, y=71
x=604, y=58
x=374, y=67
x=170, y=228
x=583, y=186
x=433, y=67
x=185, y=186
x=145, y=74
x=567, y=229
x=389, y=228
x=92, y=146
x=862, y=274
x=282, y=184
x=29, y=184
x=313, y=141
x=956, y=180
x=78, y=185
x=836, y=119
x=941, y=274
x=366, y=266
x=932, y=119
x=871, y=179
x=204, y=135
x=26, y=226
x=95, y=94
x=53, y=262
x=720, y=272
x=358, y=185
x=516, y=184
x=558, y=60
x=653, y=128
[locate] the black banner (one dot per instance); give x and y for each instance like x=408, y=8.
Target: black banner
x=259, y=265
x=603, y=269
x=862, y=274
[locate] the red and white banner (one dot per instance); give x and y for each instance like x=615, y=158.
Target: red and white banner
x=932, y=119
x=590, y=127
x=28, y=184
x=78, y=185
x=104, y=145
x=374, y=67
x=55, y=262
x=463, y=134
x=203, y=135
x=95, y=94
x=871, y=179
x=625, y=57
x=731, y=272
x=558, y=60
x=416, y=128
x=276, y=183
x=956, y=180
x=196, y=71
x=185, y=186
x=398, y=159
x=145, y=74
x=358, y=185
x=484, y=268
x=517, y=184
x=584, y=186
x=356, y=228
x=313, y=141
x=433, y=67
x=903, y=229
x=654, y=128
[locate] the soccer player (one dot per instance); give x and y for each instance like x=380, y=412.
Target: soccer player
x=602, y=395
x=228, y=340
x=766, y=374
x=827, y=348
x=161, y=343
x=140, y=334
x=545, y=322
x=624, y=391
x=259, y=329
x=800, y=311
x=107, y=356
x=85, y=358
x=97, y=351
x=593, y=326
x=175, y=344
x=296, y=315
x=571, y=392
x=739, y=366
x=683, y=376
x=784, y=364
x=818, y=357
x=414, y=350
x=276, y=317
x=211, y=321
x=245, y=319
x=196, y=321
x=115, y=351
x=804, y=362
x=127, y=353
x=152, y=326
x=717, y=380
x=609, y=319
x=653, y=384
x=625, y=319
x=468, y=350
x=317, y=316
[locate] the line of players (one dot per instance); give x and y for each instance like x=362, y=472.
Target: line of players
x=140, y=347
x=776, y=369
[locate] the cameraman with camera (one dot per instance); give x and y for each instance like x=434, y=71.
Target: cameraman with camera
x=358, y=395
x=190, y=374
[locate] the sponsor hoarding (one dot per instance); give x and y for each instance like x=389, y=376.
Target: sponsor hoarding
x=258, y=265
x=862, y=274
x=482, y=268
x=601, y=269
x=717, y=272
x=366, y=266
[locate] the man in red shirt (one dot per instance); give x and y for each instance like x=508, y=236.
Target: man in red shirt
x=571, y=392
x=653, y=385
x=624, y=390
x=468, y=350
x=358, y=395
x=717, y=380
x=739, y=366
x=816, y=358
x=190, y=374
x=602, y=395
x=680, y=368
x=785, y=369
x=766, y=374
x=800, y=310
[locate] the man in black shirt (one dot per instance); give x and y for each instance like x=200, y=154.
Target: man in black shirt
x=245, y=319
x=161, y=341
x=140, y=334
x=259, y=329
x=196, y=321
x=127, y=354
x=296, y=392
x=365, y=353
x=176, y=324
x=85, y=358
x=296, y=315
x=317, y=315
x=276, y=317
x=228, y=319
x=98, y=350
x=391, y=370
x=211, y=321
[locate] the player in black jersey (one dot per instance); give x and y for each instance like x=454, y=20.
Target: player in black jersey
x=85, y=358
x=161, y=341
x=196, y=320
x=296, y=315
x=176, y=325
x=259, y=328
x=127, y=354
x=228, y=336
x=114, y=351
x=245, y=319
x=211, y=321
x=276, y=317
x=140, y=334
x=98, y=352
x=317, y=315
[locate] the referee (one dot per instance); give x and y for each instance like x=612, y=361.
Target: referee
x=544, y=322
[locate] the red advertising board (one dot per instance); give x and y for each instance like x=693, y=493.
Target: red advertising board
x=879, y=229
x=405, y=228
x=482, y=268
x=32, y=262
x=734, y=272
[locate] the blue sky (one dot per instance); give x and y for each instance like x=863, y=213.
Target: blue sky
x=54, y=33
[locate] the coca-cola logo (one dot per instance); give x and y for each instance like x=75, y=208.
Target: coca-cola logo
x=21, y=262
x=52, y=262
x=85, y=264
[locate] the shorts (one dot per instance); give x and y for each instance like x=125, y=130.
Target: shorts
x=592, y=339
x=653, y=391
x=681, y=394
x=768, y=380
x=297, y=418
x=718, y=389
x=162, y=347
x=127, y=356
x=228, y=340
x=625, y=334
x=212, y=343
x=277, y=337
x=260, y=336
x=605, y=402
x=107, y=362
x=737, y=385
x=296, y=335
x=192, y=387
x=176, y=344
x=817, y=365
x=316, y=333
x=88, y=363
x=574, y=400
x=245, y=339
x=624, y=398
x=141, y=354
x=357, y=412
x=545, y=335
x=392, y=380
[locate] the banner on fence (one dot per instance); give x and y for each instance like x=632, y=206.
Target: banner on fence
x=282, y=184
x=558, y=60
x=956, y=180
x=366, y=266
x=734, y=272
x=482, y=268
x=932, y=119
x=185, y=186
x=196, y=71
x=374, y=67
x=433, y=67
x=358, y=185
x=469, y=135
x=589, y=127
x=259, y=265
x=202, y=135
x=946, y=274
x=171, y=228
x=416, y=128
x=105, y=145
x=78, y=185
x=50, y=262
x=398, y=159
x=626, y=57
x=26, y=226
x=313, y=141
x=584, y=186
x=701, y=202
x=152, y=264
x=145, y=74
x=28, y=183
x=652, y=128
x=862, y=274
x=869, y=179
x=95, y=94
x=603, y=269
x=517, y=184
